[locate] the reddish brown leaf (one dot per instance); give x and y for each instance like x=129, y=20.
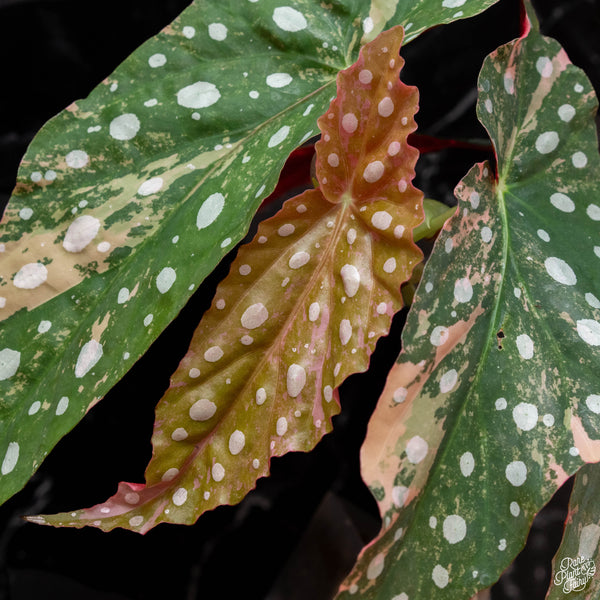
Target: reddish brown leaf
x=301, y=309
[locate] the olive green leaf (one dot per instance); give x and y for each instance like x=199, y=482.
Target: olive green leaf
x=301, y=309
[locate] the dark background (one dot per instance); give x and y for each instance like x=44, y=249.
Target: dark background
x=295, y=536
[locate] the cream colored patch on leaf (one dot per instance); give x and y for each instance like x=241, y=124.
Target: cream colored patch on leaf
x=589, y=450
x=380, y=13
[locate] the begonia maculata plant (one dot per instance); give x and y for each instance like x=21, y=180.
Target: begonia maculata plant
x=128, y=199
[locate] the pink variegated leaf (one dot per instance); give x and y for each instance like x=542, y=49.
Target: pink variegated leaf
x=495, y=399
x=302, y=308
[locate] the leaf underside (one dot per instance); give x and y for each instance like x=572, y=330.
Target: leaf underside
x=302, y=308
x=495, y=399
x=174, y=151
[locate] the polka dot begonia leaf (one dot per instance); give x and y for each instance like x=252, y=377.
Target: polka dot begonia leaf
x=301, y=309
x=495, y=398
x=417, y=15
x=575, y=564
x=175, y=150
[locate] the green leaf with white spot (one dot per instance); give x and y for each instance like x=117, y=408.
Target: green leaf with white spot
x=126, y=200
x=301, y=309
x=575, y=565
x=493, y=401
x=416, y=16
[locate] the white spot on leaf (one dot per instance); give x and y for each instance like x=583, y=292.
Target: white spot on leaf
x=389, y=266
x=376, y=566
x=179, y=434
x=165, y=279
x=385, y=107
x=9, y=363
x=286, y=230
x=345, y=331
x=544, y=66
x=278, y=136
x=157, y=60
x=562, y=202
x=299, y=260
x=209, y=211
x=373, y=171
x=80, y=233
x=198, y=95
x=90, y=354
x=218, y=472
x=516, y=473
x=547, y=142
x=77, y=159
x=367, y=25
x=213, y=354
x=448, y=381
x=124, y=127
x=454, y=529
x=579, y=160
x=260, y=396
x=30, y=276
x=588, y=540
x=525, y=346
x=314, y=310
x=282, y=426
x=416, y=449
x=381, y=220
x=589, y=331
x=296, y=380
x=399, y=495
x=289, y=19
x=365, y=76
x=560, y=271
x=10, y=458
x=525, y=415
x=349, y=123
x=439, y=575
x=254, y=316
x=202, y=410
x=566, y=112
x=279, y=80
x=180, y=496
x=217, y=31
x=463, y=290
x=439, y=335
x=467, y=464
x=593, y=403
x=350, y=279
x=399, y=395
x=237, y=441
x=150, y=186
x=61, y=407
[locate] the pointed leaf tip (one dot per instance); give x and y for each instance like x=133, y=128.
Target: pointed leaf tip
x=363, y=152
